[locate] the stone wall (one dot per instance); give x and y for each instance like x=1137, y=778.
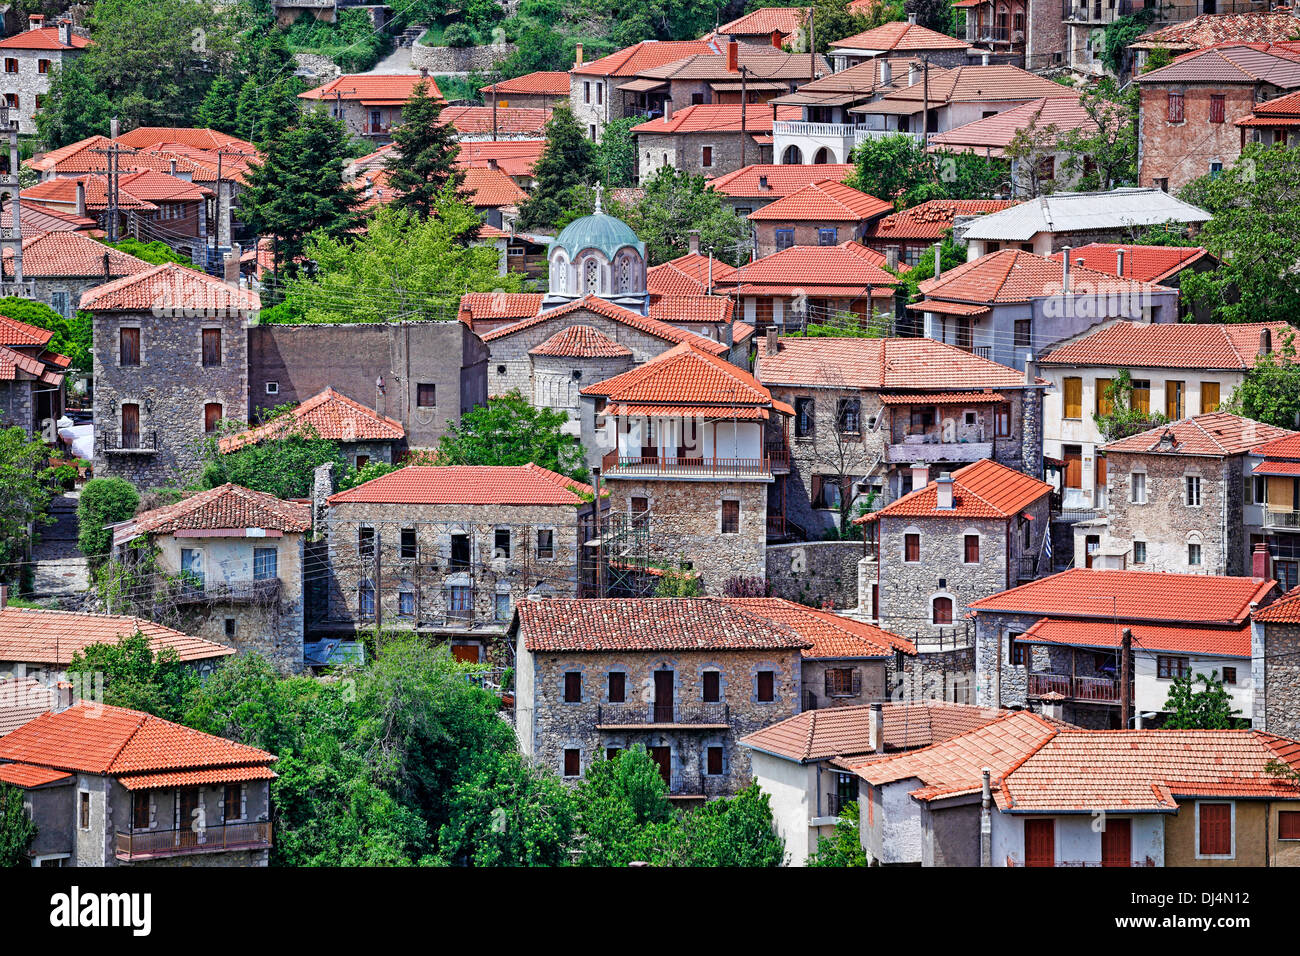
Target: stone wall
x=685, y=152
x=29, y=82
x=319, y=67
x=870, y=675
x=469, y=59
x=805, y=233
x=1181, y=152
x=1281, y=684
x=17, y=406
x=816, y=573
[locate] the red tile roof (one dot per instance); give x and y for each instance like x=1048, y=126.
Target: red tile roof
x=984, y=489
x=928, y=221
x=1144, y=263
x=72, y=254
x=783, y=20
x=491, y=187
x=991, y=135
x=1285, y=447
x=552, y=82
x=1229, y=65
x=467, y=485
x=1140, y=596
x=52, y=637
x=746, y=182
x=824, y=201
x=846, y=731
x=12, y=362
x=716, y=118
x=21, y=699
x=642, y=56
x=1169, y=345
x=674, y=309
x=20, y=334
x=1012, y=275
x=833, y=637
x=509, y=119
x=377, y=89
x=650, y=624
x=169, y=287
x=1229, y=641
x=998, y=82
x=609, y=310
x=581, y=341
x=495, y=306
x=195, y=778
x=113, y=741
x=905, y=364
x=843, y=270
x=687, y=376
x=26, y=775
x=227, y=507
x=1285, y=610
x=42, y=38
x=329, y=414
x=153, y=186
x=685, y=275
x=900, y=37
x=1214, y=435
x=777, y=69
x=1212, y=29
x=64, y=192
x=514, y=157
x=39, y=219
x=208, y=140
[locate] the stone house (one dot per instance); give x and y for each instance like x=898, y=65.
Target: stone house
x=1030, y=33
x=1057, y=643
x=867, y=410
x=449, y=552
x=771, y=26
x=1181, y=497
x=62, y=266
x=1189, y=110
x=824, y=213
x=1275, y=659
x=169, y=365
x=684, y=677
x=40, y=644
x=805, y=763
x=595, y=88
x=369, y=104
x=1177, y=370
x=695, y=448
x=31, y=379
x=241, y=558
x=29, y=57
x=541, y=90
x=952, y=540
x=706, y=140
x=756, y=185
x=1210, y=23
x=107, y=786
x=900, y=39
x=903, y=237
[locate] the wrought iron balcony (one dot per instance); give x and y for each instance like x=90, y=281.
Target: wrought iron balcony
x=250, y=591
x=145, y=442
x=1101, y=690
x=659, y=466
x=153, y=844
x=1286, y=520
x=654, y=714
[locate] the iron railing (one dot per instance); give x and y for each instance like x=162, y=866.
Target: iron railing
x=148, y=844
x=194, y=590
x=1281, y=519
x=836, y=802
x=140, y=441
x=1097, y=689
x=614, y=463
x=654, y=712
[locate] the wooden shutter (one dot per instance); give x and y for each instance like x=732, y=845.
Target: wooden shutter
x=1216, y=107
x=211, y=346
x=766, y=686
x=715, y=761
x=1073, y=455
x=1104, y=404
x=911, y=547
x=572, y=686
x=130, y=425
x=1288, y=825
x=711, y=687
x=617, y=684
x=1175, y=107
x=1216, y=829
x=572, y=764
x=1117, y=843
x=129, y=347
x=1040, y=843
x=1173, y=400
x=1209, y=397
x=1099, y=472
x=211, y=416
x=943, y=610
x=972, y=549
x=1073, y=388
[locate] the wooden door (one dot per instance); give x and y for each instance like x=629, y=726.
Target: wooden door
x=465, y=653
x=1073, y=456
x=663, y=756
x=1040, y=843
x=1117, y=843
x=130, y=425
x=1099, y=480
x=187, y=817
x=663, y=697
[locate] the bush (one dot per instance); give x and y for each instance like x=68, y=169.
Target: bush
x=458, y=35
x=103, y=501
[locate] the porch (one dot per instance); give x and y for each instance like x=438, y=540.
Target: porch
x=155, y=844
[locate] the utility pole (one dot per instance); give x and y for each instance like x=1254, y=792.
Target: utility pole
x=378, y=591
x=112, y=152
x=494, y=111
x=925, y=103
x=1125, y=676
x=743, y=97
x=812, y=43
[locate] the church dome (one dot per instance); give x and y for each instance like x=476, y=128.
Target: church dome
x=601, y=232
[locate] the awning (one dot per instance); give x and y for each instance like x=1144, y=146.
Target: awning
x=812, y=98
x=741, y=412
x=642, y=86
x=1269, y=121
x=734, y=86
x=945, y=398
x=895, y=107
x=1288, y=468
x=950, y=308
x=763, y=139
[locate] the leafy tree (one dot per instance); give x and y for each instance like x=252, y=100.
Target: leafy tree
x=24, y=496
x=844, y=846
x=615, y=801
x=733, y=831
x=1124, y=419
x=281, y=465
x=17, y=831
x=1119, y=33
x=960, y=176
x=567, y=160
x=678, y=203
x=616, y=159
x=1112, y=148
x=1254, y=235
x=890, y=167
x=103, y=501
x=1209, y=708
x=137, y=678
x=267, y=100
x=1029, y=146
x=677, y=583
x=423, y=161
x=511, y=431
x=1157, y=57
x=72, y=337
x=75, y=107
x=1270, y=391
x=350, y=40
x=952, y=254
x=299, y=190
x=156, y=252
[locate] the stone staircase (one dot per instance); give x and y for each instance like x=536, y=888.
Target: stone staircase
x=60, y=570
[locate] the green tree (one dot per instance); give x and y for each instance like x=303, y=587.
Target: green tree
x=616, y=800
x=678, y=203
x=282, y=464
x=156, y=252
x=72, y=336
x=217, y=111
x=890, y=168
x=733, y=831
x=24, y=497
x=135, y=677
x=951, y=255
x=423, y=161
x=1270, y=391
x=961, y=176
x=1121, y=32
x=567, y=160
x=1209, y=708
x=678, y=583
x=299, y=190
x=616, y=159
x=1107, y=157
x=103, y=501
x=511, y=431
x=844, y=846
x=1123, y=419
x=17, y=831
x=74, y=108
x=1029, y=146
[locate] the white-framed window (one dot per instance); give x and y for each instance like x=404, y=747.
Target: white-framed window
x=273, y=388
x=1216, y=830
x=1193, y=486
x=1139, y=552
x=1138, y=483
x=1194, y=553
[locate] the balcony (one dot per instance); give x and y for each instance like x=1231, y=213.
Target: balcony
x=139, y=443
x=155, y=844
x=697, y=787
x=18, y=290
x=926, y=447
x=376, y=129
x=252, y=591
x=1098, y=690
x=614, y=465
x=779, y=455
x=1282, y=520
x=653, y=715
x=861, y=135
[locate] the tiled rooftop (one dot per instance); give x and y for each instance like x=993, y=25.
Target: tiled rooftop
x=1214, y=435
x=52, y=637
x=468, y=485
x=984, y=489
x=825, y=201
x=905, y=364
x=226, y=507
x=329, y=414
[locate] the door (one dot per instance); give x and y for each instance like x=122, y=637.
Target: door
x=1091, y=545
x=1117, y=843
x=1099, y=481
x=1040, y=843
x=1073, y=455
x=465, y=653
x=188, y=831
x=130, y=425
x=663, y=697
x=663, y=757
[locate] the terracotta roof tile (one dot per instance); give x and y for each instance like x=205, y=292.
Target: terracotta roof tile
x=514, y=157
x=1285, y=610
x=21, y=699
x=169, y=287
x=685, y=375
x=209, y=140
x=72, y=254
x=777, y=68
x=467, y=485
x=783, y=20
x=43, y=38
x=1144, y=263
x=52, y=637
x=195, y=778
x=968, y=84
x=905, y=364
x=331, y=415
x=833, y=636
x=493, y=306
x=1169, y=345
x=674, y=309
x=747, y=182
x=226, y=507
x=491, y=187
x=1211, y=29
x=15, y=333
x=1227, y=65
x=846, y=269
x=509, y=119
x=900, y=37
x=1214, y=434
x=41, y=219
x=373, y=88
x=581, y=341
x=1012, y=275
x=716, y=118
x=153, y=186
x=27, y=775
x=685, y=275
x=825, y=201
x=552, y=82
x=642, y=56
x=984, y=489
x=1287, y=446
x=991, y=135
x=1230, y=641
x=12, y=362
x=609, y=310
x=928, y=221
x=64, y=191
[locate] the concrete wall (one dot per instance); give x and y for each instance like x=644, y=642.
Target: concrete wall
x=791, y=789
x=1078, y=838
x=1254, y=833
x=894, y=833
x=950, y=835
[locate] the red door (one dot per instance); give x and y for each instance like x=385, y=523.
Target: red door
x=663, y=756
x=1117, y=843
x=1040, y=843
x=663, y=697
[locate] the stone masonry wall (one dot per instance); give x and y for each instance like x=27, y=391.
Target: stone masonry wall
x=684, y=151
x=29, y=82
x=468, y=59
x=1281, y=690
x=816, y=573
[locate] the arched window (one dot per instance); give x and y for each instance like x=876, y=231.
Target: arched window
x=625, y=274
x=941, y=610
x=792, y=156
x=560, y=274
x=823, y=157
x=592, y=276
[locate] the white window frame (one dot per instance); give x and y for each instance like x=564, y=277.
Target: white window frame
x=1133, y=488
x=1232, y=832
x=1190, y=482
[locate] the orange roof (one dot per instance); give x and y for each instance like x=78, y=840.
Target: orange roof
x=997, y=82
x=824, y=201
x=685, y=375
x=593, y=303
x=514, y=157
x=717, y=118
x=225, y=507
x=642, y=56
x=12, y=362
x=1169, y=345
x=900, y=37
x=26, y=775
x=208, y=140
x=685, y=275
x=1140, y=596
x=13, y=332
x=153, y=186
x=491, y=187
x=492, y=306
x=833, y=637
x=581, y=341
x=42, y=38
x=113, y=741
x=768, y=20
x=767, y=180
x=64, y=191
x=846, y=270
x=552, y=82
x=904, y=364
x=195, y=778
x=984, y=489
x=467, y=485
x=373, y=88
x=72, y=254
x=991, y=135
x=1285, y=447
x=331, y=415
x=1145, y=263
x=928, y=221
x=1231, y=641
x=714, y=309
x=169, y=286
x=1230, y=63
x=1214, y=435
x=509, y=119
x=1012, y=275
x=1285, y=610
x=52, y=637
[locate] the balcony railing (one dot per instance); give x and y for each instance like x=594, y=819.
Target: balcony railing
x=779, y=455
x=151, y=844
x=641, y=714
x=115, y=441
x=907, y=451
x=814, y=130
x=252, y=591
x=1097, y=689
x=1282, y=519
x=697, y=786
x=377, y=129
x=836, y=802
x=634, y=466
x=861, y=135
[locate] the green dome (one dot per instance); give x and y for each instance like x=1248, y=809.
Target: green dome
x=598, y=231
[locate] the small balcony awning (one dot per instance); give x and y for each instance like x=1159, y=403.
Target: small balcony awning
x=735, y=86
x=642, y=85
x=945, y=398
x=1273, y=467
x=971, y=309
x=744, y=412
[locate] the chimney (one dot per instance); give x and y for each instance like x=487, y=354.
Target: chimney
x=81, y=198
x=172, y=171
x=465, y=316
x=1260, y=562
x=938, y=259
x=733, y=57
x=65, y=31
x=920, y=475
x=886, y=73
x=1030, y=370
x=911, y=19
x=492, y=163
x=62, y=696
x=108, y=265
x=668, y=110
x=913, y=74
x=1119, y=262
x=4, y=595
x=1265, y=341
x=769, y=341
x=877, y=738
x=986, y=818
x=424, y=72
x=36, y=21
x=776, y=39
x=232, y=265
x=891, y=256
x=694, y=243
x=113, y=128
x=577, y=55
x=1065, y=270
x=984, y=60
x=762, y=183
x=943, y=490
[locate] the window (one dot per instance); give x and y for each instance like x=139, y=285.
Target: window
x=1138, y=481
x=273, y=388
x=706, y=156
x=611, y=753
x=712, y=687
x=460, y=602
x=128, y=346
x=1168, y=668
x=1256, y=491
x=912, y=547
x=731, y=517
x=11, y=64
x=941, y=611
x=1073, y=392
x=366, y=599
x=232, y=802
x=84, y=815
x=211, y=347
x=640, y=509
x=572, y=762
x=1209, y=397
x=459, y=551
x=1216, y=170
x=572, y=687
x=826, y=236
x=11, y=100
x=1194, y=555
x=1047, y=167
x=211, y=417
x=617, y=687
x=766, y=686
x=1288, y=825
x=1140, y=399
x=848, y=414
x=1101, y=389
x=501, y=606
x=784, y=239
x=230, y=627
x=1139, y=552
x=839, y=682
x=265, y=564
x=1020, y=652
x=406, y=603
x=1002, y=422
x=426, y=395
x=1230, y=675
x=1175, y=107
x=366, y=542
x=140, y=810
x=42, y=66
x=586, y=92
x=1174, y=399
x=1193, y=483
x=408, y=551
x=1216, y=107
x=714, y=762
x=1023, y=336
x=192, y=565
x=1214, y=821
x=501, y=543
x=545, y=544
x=972, y=549
x=803, y=417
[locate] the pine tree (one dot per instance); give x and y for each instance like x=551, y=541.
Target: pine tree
x=217, y=111
x=423, y=159
x=567, y=161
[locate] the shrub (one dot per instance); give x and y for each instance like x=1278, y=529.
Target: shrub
x=458, y=35
x=103, y=501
